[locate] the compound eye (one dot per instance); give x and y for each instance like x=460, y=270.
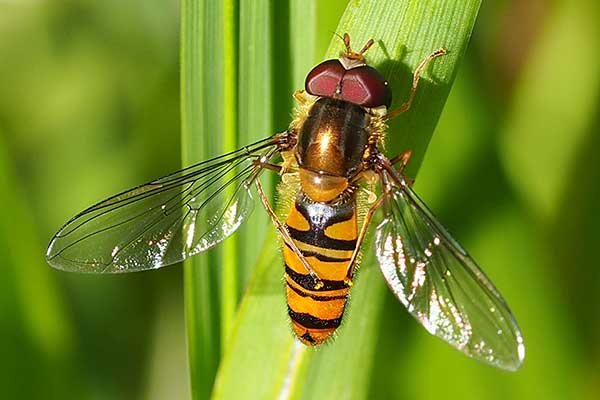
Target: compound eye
x=366, y=87
x=325, y=78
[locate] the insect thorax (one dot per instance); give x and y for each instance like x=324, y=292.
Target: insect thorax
x=331, y=142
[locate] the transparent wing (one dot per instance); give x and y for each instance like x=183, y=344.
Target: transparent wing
x=440, y=284
x=163, y=221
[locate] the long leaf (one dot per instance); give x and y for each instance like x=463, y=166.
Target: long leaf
x=206, y=129
x=262, y=360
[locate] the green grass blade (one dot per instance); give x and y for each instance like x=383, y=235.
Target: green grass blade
x=255, y=114
x=262, y=361
x=256, y=362
x=405, y=35
x=262, y=313
x=229, y=262
x=208, y=128
x=303, y=39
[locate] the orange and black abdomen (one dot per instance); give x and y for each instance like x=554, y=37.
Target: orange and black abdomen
x=326, y=235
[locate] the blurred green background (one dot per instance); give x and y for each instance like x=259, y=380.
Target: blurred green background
x=89, y=105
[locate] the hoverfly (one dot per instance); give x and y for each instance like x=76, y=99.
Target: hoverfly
x=329, y=159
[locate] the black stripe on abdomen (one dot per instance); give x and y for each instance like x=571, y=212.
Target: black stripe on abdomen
x=319, y=217
x=317, y=237
x=307, y=281
x=322, y=257
x=312, y=322
x=314, y=296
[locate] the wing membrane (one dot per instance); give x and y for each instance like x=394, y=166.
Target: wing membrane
x=163, y=221
x=440, y=284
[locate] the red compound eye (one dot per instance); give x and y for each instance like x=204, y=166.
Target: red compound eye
x=366, y=87
x=325, y=78
x=362, y=85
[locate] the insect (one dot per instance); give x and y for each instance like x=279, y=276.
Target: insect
x=332, y=167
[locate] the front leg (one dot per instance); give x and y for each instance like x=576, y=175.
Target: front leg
x=369, y=175
x=286, y=236
x=360, y=239
x=403, y=158
x=302, y=97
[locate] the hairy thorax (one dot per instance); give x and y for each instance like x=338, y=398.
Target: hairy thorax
x=331, y=143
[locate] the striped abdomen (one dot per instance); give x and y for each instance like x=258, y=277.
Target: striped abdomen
x=326, y=235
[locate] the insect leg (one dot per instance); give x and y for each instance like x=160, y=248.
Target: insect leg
x=403, y=159
x=406, y=106
x=301, y=96
x=361, y=237
x=272, y=167
x=286, y=235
